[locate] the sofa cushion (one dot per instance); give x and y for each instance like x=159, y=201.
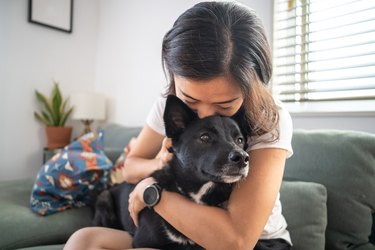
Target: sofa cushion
x=118, y=136
x=73, y=177
x=344, y=162
x=48, y=247
x=305, y=210
x=20, y=227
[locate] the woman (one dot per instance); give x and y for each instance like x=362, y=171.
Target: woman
x=217, y=59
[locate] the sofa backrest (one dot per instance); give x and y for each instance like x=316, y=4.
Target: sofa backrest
x=116, y=137
x=344, y=162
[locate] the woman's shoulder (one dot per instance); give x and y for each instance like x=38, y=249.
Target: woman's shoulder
x=155, y=116
x=284, y=132
x=285, y=120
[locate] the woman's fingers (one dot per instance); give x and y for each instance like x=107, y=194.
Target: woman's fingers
x=136, y=203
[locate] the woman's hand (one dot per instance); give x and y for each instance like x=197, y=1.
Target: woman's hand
x=136, y=202
x=130, y=145
x=164, y=155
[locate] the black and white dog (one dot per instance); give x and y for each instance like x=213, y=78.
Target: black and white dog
x=208, y=158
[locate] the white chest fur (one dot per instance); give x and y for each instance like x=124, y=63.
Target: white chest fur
x=197, y=197
x=178, y=239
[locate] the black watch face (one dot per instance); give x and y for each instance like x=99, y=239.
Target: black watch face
x=151, y=196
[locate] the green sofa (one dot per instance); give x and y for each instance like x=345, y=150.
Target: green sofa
x=328, y=195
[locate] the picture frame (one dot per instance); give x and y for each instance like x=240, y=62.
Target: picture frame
x=52, y=14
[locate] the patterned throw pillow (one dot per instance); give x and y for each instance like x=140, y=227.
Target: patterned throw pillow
x=116, y=173
x=73, y=177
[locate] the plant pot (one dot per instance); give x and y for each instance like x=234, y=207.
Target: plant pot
x=58, y=137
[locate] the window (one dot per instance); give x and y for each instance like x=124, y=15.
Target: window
x=324, y=52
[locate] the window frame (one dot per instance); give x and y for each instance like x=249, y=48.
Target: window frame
x=323, y=107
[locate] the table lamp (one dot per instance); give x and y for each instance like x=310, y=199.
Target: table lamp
x=87, y=108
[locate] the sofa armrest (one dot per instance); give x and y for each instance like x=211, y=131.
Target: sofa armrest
x=21, y=228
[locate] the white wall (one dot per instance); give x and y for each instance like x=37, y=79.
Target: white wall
x=115, y=48
x=31, y=57
x=129, y=67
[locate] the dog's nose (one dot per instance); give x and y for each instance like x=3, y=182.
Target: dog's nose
x=237, y=156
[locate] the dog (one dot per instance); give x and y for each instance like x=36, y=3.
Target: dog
x=208, y=158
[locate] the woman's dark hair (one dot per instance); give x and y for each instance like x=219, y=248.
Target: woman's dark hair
x=214, y=39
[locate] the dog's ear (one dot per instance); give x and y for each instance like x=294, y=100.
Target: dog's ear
x=240, y=118
x=177, y=115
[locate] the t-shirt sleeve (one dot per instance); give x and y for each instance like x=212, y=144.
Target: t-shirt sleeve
x=285, y=134
x=155, y=117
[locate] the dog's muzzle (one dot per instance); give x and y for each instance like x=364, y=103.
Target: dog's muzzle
x=237, y=166
x=238, y=157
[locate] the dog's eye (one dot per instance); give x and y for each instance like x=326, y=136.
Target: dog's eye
x=205, y=138
x=240, y=140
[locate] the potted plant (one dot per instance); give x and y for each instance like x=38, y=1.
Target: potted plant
x=54, y=114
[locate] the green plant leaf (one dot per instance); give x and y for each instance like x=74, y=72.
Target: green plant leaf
x=45, y=103
x=65, y=117
x=53, y=109
x=41, y=118
x=56, y=103
x=63, y=106
x=47, y=118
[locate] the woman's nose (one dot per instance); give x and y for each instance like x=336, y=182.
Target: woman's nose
x=205, y=111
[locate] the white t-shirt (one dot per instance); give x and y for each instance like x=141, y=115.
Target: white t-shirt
x=276, y=225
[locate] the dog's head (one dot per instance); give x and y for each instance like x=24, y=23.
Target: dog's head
x=211, y=148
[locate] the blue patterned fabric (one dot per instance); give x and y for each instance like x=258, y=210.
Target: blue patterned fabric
x=73, y=177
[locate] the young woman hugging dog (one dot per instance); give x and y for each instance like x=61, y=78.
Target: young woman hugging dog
x=217, y=59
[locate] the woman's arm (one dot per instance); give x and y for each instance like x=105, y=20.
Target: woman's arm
x=249, y=207
x=141, y=161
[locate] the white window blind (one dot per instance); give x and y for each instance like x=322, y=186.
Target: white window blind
x=324, y=50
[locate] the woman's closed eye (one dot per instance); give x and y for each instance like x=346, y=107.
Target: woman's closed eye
x=190, y=102
x=225, y=107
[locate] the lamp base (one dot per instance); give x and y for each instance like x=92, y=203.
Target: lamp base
x=87, y=124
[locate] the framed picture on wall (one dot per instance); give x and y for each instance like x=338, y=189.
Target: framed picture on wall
x=53, y=14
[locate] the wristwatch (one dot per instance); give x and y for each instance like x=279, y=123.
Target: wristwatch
x=152, y=195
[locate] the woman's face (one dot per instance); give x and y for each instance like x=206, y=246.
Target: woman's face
x=217, y=96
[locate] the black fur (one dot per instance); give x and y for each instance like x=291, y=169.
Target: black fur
x=207, y=152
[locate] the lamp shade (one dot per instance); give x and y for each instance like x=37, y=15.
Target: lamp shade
x=88, y=106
